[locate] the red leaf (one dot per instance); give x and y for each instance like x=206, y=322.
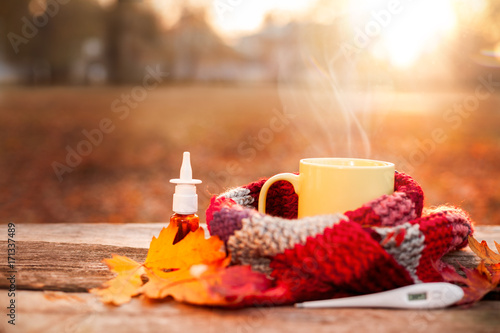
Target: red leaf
x=477, y=282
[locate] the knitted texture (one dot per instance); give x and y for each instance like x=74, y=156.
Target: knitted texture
x=342, y=260
x=261, y=237
x=384, y=244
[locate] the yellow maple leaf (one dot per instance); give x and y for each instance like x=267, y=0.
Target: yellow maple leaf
x=164, y=256
x=484, y=252
x=167, y=266
x=194, y=270
x=191, y=285
x=125, y=285
x=182, y=269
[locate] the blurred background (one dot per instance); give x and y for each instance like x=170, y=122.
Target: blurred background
x=99, y=98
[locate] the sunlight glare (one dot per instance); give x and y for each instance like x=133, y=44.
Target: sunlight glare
x=417, y=30
x=238, y=17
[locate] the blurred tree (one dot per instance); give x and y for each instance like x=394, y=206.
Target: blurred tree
x=48, y=40
x=44, y=37
x=192, y=44
x=15, y=45
x=134, y=41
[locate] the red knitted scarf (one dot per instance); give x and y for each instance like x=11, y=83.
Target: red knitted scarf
x=385, y=244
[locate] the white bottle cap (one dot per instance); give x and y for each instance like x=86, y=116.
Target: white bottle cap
x=185, y=197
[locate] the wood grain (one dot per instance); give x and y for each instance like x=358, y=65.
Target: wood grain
x=124, y=234
x=52, y=259
x=55, y=312
x=64, y=266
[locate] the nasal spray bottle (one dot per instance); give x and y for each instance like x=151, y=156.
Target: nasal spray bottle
x=185, y=203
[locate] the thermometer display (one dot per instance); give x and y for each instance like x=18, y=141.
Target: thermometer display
x=417, y=297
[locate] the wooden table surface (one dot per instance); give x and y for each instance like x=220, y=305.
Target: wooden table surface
x=57, y=263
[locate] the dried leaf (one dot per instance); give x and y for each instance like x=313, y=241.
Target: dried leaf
x=189, y=285
x=193, y=249
x=233, y=286
x=484, y=252
x=194, y=270
x=478, y=282
x=169, y=265
x=236, y=283
x=125, y=285
x=163, y=284
x=198, y=275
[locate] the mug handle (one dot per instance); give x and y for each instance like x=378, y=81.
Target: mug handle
x=289, y=177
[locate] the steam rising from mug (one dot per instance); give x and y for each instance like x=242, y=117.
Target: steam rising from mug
x=332, y=113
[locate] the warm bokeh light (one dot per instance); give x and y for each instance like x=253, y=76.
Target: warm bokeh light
x=238, y=17
x=417, y=29
x=106, y=3
x=170, y=11
x=37, y=7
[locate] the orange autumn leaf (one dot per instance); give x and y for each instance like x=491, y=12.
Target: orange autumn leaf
x=125, y=285
x=219, y=285
x=167, y=265
x=195, y=270
x=161, y=284
x=198, y=274
x=164, y=256
x=484, y=252
x=188, y=285
x=477, y=282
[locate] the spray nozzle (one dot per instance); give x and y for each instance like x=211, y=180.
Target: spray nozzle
x=186, y=174
x=185, y=197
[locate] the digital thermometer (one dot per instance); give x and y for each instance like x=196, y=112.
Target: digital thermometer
x=433, y=295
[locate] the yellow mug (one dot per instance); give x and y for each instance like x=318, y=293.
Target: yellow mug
x=335, y=185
